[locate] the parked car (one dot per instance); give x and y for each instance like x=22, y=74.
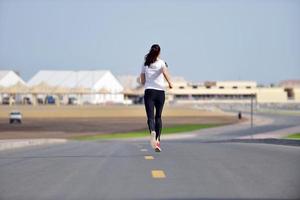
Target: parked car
x=26, y=100
x=40, y=101
x=5, y=101
x=138, y=100
x=15, y=116
x=50, y=100
x=72, y=101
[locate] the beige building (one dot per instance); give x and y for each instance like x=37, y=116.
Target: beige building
x=227, y=92
x=232, y=91
x=292, y=87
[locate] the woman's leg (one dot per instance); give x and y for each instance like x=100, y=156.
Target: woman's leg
x=149, y=106
x=159, y=104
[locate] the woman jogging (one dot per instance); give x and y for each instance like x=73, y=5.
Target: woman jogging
x=153, y=73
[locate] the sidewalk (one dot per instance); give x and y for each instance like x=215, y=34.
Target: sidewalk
x=19, y=143
x=275, y=134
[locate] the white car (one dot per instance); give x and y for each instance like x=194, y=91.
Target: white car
x=15, y=116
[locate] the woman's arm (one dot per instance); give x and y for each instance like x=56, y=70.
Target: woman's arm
x=142, y=78
x=167, y=77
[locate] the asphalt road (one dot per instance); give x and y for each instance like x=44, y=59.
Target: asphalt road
x=185, y=169
x=232, y=132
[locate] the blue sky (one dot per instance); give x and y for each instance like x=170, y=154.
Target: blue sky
x=201, y=40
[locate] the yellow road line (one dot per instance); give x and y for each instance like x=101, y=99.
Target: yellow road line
x=158, y=174
x=148, y=157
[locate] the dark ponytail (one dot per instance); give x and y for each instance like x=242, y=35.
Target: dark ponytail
x=151, y=57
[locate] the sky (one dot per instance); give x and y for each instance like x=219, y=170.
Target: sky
x=201, y=40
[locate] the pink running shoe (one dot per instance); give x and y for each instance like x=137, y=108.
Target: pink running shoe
x=157, y=147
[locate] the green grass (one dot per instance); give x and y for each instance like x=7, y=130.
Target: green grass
x=143, y=133
x=295, y=136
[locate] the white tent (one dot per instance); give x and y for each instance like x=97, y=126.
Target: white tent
x=92, y=81
x=129, y=81
x=9, y=78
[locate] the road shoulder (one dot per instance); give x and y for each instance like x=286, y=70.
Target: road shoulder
x=20, y=143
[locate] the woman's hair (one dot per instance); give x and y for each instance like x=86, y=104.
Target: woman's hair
x=151, y=57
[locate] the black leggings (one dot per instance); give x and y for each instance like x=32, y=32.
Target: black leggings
x=154, y=98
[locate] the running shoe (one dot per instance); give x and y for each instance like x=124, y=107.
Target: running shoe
x=157, y=147
x=153, y=139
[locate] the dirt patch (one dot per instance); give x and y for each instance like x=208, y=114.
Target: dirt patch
x=96, y=111
x=52, y=121
x=69, y=127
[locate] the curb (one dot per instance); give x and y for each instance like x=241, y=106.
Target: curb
x=14, y=144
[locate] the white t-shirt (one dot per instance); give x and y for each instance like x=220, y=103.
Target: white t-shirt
x=154, y=75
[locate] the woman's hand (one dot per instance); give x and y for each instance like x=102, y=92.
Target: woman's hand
x=167, y=77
